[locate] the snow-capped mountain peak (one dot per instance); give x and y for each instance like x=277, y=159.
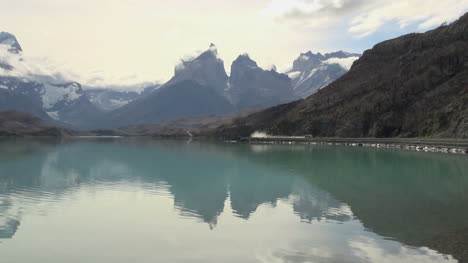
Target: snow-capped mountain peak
x=213, y=48
x=244, y=60
x=55, y=96
x=10, y=41
x=206, y=69
x=210, y=53
x=313, y=71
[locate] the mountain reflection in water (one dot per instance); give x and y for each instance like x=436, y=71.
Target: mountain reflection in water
x=349, y=205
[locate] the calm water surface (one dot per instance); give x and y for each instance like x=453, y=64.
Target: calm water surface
x=135, y=200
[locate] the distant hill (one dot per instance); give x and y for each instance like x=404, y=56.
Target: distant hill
x=15, y=123
x=413, y=85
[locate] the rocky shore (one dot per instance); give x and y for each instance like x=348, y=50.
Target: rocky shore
x=452, y=146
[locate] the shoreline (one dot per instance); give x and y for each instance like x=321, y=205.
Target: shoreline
x=453, y=146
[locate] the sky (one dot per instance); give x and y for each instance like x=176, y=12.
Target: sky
x=123, y=42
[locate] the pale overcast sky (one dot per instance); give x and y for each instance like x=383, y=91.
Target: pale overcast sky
x=127, y=41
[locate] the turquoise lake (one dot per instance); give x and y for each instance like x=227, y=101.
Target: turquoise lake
x=144, y=200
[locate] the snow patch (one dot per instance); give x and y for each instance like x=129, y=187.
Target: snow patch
x=119, y=102
x=55, y=94
x=54, y=115
x=3, y=87
x=311, y=73
x=345, y=63
x=294, y=74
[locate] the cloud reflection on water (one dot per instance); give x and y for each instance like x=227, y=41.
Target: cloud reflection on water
x=208, y=182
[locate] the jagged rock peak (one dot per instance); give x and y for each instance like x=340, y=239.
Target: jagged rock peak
x=10, y=40
x=309, y=54
x=319, y=56
x=341, y=54
x=212, y=52
x=245, y=60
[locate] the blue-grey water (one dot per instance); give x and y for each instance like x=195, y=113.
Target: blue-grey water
x=143, y=200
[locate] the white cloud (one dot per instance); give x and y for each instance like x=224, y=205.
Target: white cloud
x=345, y=63
x=31, y=67
x=368, y=250
x=365, y=17
x=423, y=13
x=127, y=82
x=42, y=69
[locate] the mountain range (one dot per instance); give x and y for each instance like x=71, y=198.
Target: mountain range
x=200, y=87
x=411, y=86
x=13, y=123
x=311, y=72
x=108, y=99
x=62, y=103
x=415, y=85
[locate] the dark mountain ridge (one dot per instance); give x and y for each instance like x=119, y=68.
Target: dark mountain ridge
x=20, y=124
x=250, y=85
x=410, y=86
x=184, y=99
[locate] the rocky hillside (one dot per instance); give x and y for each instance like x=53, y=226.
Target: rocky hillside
x=413, y=85
x=15, y=123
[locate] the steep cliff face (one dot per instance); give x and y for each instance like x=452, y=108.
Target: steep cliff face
x=414, y=85
x=250, y=85
x=207, y=70
x=197, y=88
